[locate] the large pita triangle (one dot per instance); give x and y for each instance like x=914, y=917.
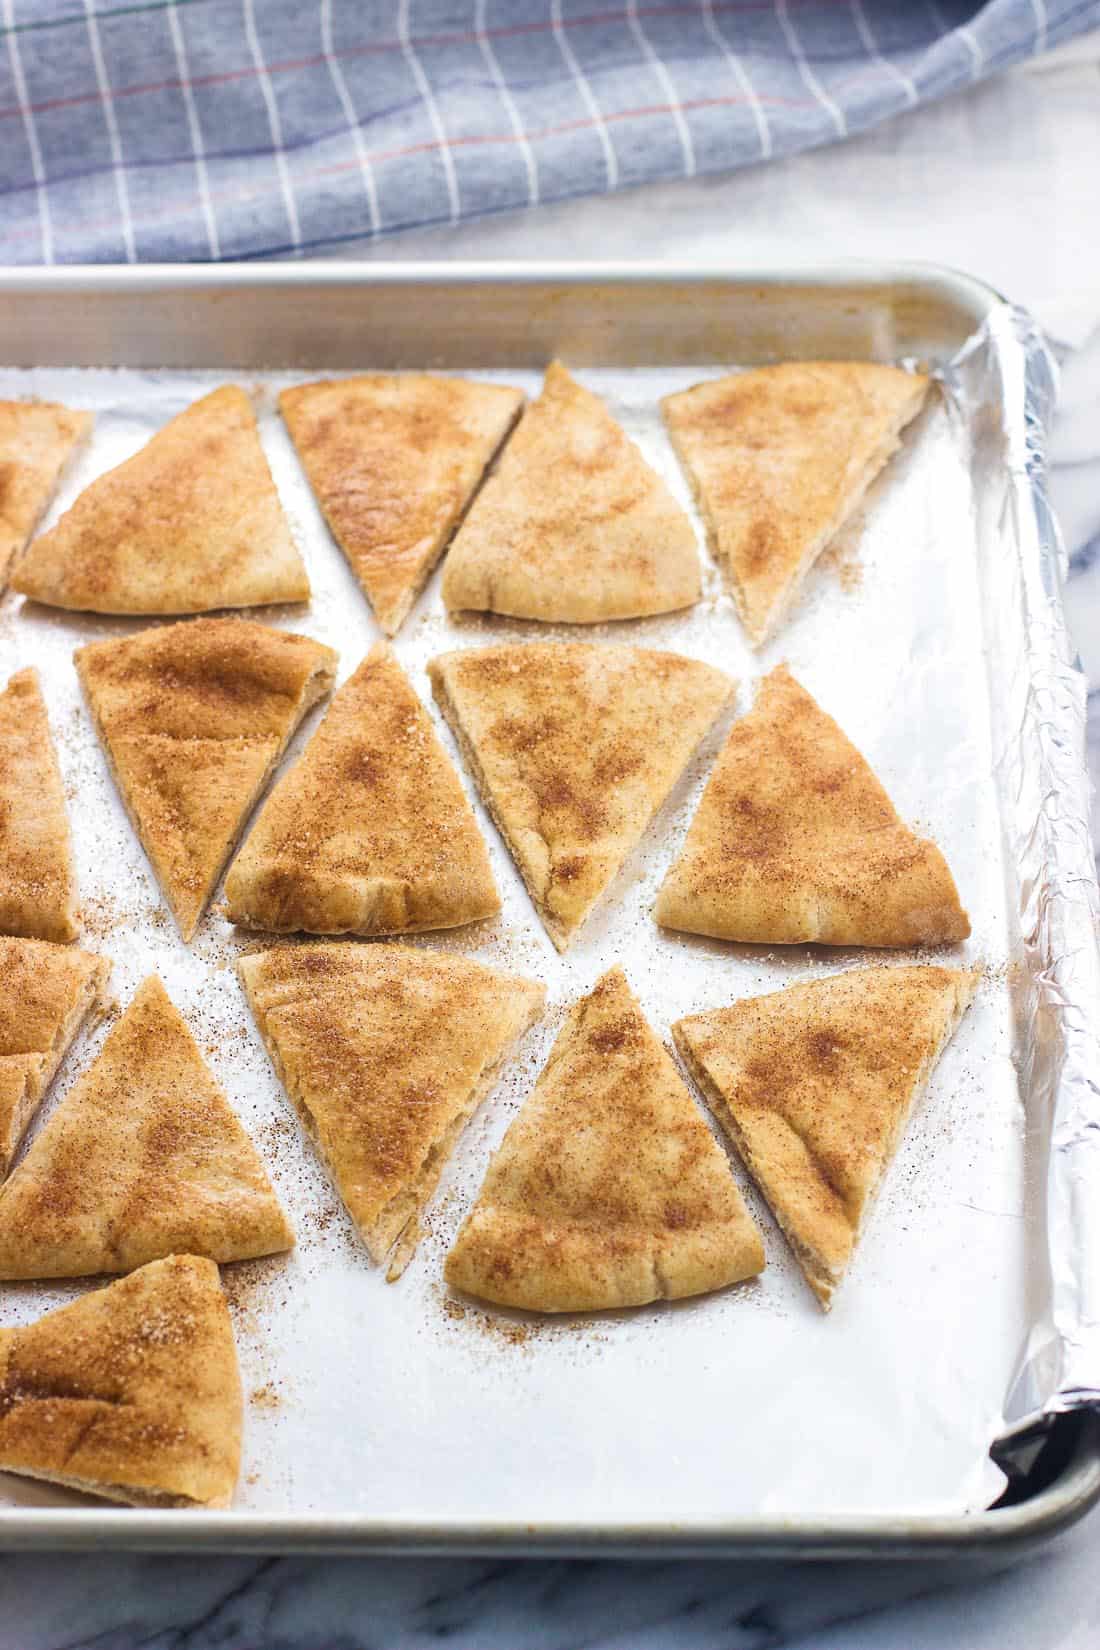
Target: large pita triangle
x=394, y=461
x=370, y=832
x=131, y=1393
x=574, y=747
x=386, y=1052
x=191, y=522
x=143, y=1158
x=194, y=718
x=37, y=440
x=573, y=526
x=780, y=458
x=37, y=875
x=47, y=992
x=815, y=1085
x=795, y=840
x=608, y=1189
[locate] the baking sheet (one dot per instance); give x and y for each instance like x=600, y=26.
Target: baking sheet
x=396, y=1403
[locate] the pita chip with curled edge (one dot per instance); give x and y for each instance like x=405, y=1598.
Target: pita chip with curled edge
x=394, y=460
x=780, y=458
x=37, y=874
x=37, y=440
x=608, y=1189
x=815, y=1084
x=190, y=523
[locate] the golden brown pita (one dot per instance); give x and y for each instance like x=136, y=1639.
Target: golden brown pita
x=191, y=522
x=370, y=832
x=814, y=1086
x=37, y=440
x=37, y=875
x=394, y=461
x=131, y=1393
x=608, y=1189
x=574, y=747
x=386, y=1051
x=47, y=992
x=780, y=458
x=194, y=718
x=573, y=526
x=795, y=840
x=144, y=1158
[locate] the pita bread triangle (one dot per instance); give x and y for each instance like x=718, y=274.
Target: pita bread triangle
x=37, y=440
x=608, y=1189
x=573, y=526
x=394, y=460
x=131, y=1393
x=574, y=746
x=780, y=458
x=815, y=1084
x=194, y=718
x=191, y=522
x=370, y=832
x=37, y=875
x=142, y=1159
x=796, y=841
x=385, y=1051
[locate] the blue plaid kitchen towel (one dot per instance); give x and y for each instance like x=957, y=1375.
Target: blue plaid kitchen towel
x=222, y=129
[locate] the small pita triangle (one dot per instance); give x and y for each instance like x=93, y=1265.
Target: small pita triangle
x=386, y=1051
x=574, y=747
x=814, y=1086
x=37, y=875
x=608, y=1189
x=47, y=992
x=191, y=522
x=37, y=440
x=194, y=718
x=573, y=527
x=394, y=461
x=142, y=1159
x=796, y=841
x=780, y=458
x=370, y=832
x=131, y=1393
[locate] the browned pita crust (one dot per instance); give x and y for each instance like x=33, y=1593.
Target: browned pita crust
x=37, y=440
x=574, y=747
x=191, y=522
x=370, y=832
x=573, y=526
x=394, y=460
x=37, y=875
x=194, y=718
x=780, y=458
x=795, y=840
x=142, y=1159
x=386, y=1052
x=131, y=1393
x=608, y=1189
x=815, y=1085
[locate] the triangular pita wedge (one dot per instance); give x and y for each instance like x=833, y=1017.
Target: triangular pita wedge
x=574, y=747
x=370, y=832
x=37, y=875
x=194, y=718
x=573, y=526
x=47, y=992
x=191, y=522
x=780, y=458
x=37, y=440
x=394, y=460
x=795, y=841
x=608, y=1189
x=386, y=1051
x=814, y=1086
x=131, y=1393
x=143, y=1158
